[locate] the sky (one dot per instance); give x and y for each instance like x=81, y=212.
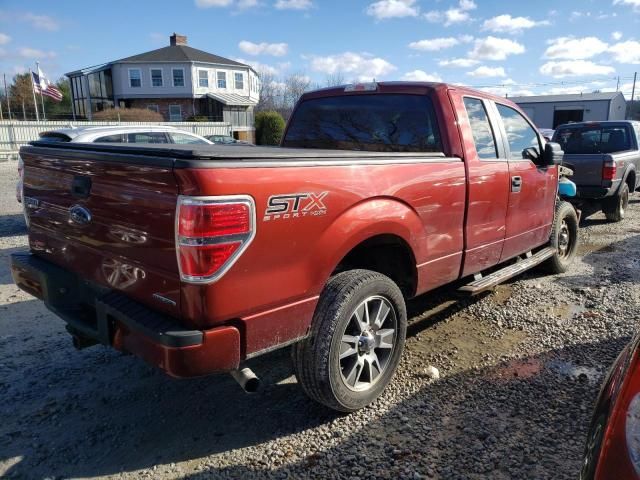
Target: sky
x=506, y=47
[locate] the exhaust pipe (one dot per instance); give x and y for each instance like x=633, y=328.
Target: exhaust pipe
x=247, y=380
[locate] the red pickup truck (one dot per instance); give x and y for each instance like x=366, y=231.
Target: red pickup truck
x=197, y=258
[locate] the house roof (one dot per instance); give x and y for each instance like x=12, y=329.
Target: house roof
x=179, y=53
x=570, y=97
x=232, y=99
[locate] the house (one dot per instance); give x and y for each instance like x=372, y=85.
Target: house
x=549, y=111
x=178, y=81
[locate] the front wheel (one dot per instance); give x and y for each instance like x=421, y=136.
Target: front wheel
x=564, y=238
x=615, y=208
x=356, y=343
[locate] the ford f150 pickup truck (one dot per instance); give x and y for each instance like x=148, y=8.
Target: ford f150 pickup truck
x=604, y=157
x=197, y=258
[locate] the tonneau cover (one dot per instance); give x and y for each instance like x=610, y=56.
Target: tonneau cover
x=227, y=152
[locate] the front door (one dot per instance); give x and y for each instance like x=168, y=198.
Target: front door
x=533, y=187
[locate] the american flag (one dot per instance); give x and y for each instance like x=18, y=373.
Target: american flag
x=43, y=86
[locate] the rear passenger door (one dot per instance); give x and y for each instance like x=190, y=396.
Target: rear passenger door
x=532, y=186
x=488, y=183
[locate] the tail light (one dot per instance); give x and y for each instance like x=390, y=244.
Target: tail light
x=619, y=447
x=211, y=234
x=609, y=169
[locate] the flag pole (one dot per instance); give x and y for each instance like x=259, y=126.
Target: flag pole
x=44, y=114
x=6, y=92
x=33, y=91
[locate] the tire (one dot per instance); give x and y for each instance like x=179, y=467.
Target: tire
x=615, y=208
x=564, y=238
x=369, y=358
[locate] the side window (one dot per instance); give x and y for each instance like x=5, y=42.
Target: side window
x=520, y=134
x=147, y=137
x=481, y=128
x=109, y=139
x=183, y=138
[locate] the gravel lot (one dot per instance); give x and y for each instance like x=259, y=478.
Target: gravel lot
x=520, y=369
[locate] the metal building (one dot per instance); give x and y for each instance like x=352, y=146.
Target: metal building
x=549, y=111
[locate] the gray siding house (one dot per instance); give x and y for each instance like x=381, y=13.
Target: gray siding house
x=177, y=81
x=549, y=111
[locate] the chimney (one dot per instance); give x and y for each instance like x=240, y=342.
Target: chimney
x=176, y=39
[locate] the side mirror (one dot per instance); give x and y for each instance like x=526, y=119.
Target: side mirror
x=552, y=154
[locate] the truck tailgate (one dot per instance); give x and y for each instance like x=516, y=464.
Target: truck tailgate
x=110, y=222
x=587, y=168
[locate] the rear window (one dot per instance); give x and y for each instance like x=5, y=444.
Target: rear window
x=54, y=137
x=593, y=139
x=380, y=122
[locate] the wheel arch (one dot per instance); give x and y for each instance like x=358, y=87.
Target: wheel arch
x=379, y=234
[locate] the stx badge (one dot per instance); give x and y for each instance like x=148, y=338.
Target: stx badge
x=295, y=205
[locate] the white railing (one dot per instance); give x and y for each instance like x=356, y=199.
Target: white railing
x=14, y=134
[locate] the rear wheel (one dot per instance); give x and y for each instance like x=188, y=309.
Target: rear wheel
x=356, y=343
x=564, y=238
x=615, y=208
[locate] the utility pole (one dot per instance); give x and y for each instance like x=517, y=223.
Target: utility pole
x=633, y=93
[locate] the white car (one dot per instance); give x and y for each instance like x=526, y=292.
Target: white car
x=115, y=134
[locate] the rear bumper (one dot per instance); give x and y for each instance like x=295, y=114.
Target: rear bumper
x=97, y=315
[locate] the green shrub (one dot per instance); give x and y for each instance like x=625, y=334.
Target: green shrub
x=198, y=118
x=128, y=115
x=269, y=128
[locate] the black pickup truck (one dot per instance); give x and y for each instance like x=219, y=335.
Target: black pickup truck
x=604, y=157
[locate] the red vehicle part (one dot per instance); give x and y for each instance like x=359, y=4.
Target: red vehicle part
x=613, y=443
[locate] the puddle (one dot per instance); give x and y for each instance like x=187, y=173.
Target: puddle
x=527, y=368
x=567, y=311
x=465, y=341
x=575, y=372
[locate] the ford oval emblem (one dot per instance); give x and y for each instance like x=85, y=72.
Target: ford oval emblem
x=80, y=215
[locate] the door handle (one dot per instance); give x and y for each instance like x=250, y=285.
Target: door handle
x=516, y=184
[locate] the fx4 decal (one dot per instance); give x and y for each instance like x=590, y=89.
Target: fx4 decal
x=295, y=205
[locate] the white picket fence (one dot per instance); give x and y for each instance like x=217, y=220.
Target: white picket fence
x=14, y=134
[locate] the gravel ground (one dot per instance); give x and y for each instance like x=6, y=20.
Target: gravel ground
x=519, y=372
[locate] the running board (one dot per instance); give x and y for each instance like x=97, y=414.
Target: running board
x=485, y=283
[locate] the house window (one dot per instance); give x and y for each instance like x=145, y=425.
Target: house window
x=135, y=78
x=203, y=78
x=175, y=113
x=222, y=79
x=178, y=77
x=156, y=77
x=239, y=81
x=153, y=107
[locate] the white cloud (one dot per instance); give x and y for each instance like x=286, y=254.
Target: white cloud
x=483, y=72
x=458, y=62
x=4, y=38
x=575, y=48
x=36, y=54
x=264, y=48
x=626, y=52
x=575, y=68
x=259, y=67
x=363, y=66
x=452, y=15
x=42, y=22
x=494, y=48
x=616, y=35
x=509, y=24
x=635, y=4
x=421, y=76
x=434, y=44
x=293, y=4
x=393, y=9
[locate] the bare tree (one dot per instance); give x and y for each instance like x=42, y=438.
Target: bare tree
x=335, y=80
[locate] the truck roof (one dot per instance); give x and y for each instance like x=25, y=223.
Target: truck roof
x=416, y=88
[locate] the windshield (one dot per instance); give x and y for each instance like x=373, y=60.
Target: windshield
x=593, y=139
x=379, y=122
